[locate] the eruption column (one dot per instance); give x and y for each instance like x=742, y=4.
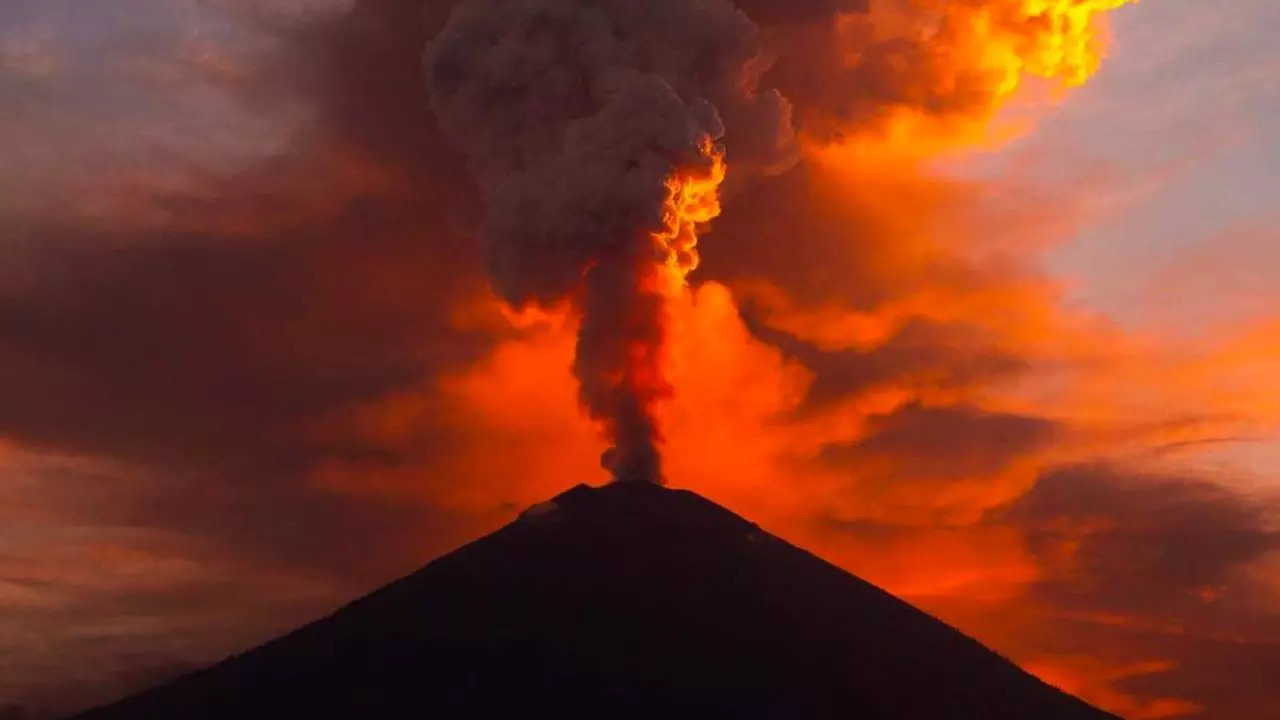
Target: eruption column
x=589, y=128
x=632, y=383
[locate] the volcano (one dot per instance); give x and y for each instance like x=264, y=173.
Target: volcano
x=629, y=600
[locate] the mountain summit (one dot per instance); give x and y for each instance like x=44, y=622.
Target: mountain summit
x=629, y=600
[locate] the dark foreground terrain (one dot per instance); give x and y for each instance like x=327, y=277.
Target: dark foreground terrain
x=624, y=601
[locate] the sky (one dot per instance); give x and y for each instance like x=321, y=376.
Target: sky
x=1009, y=353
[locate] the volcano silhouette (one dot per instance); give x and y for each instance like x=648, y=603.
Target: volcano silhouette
x=624, y=601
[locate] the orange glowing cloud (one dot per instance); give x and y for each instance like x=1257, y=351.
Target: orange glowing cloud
x=927, y=76
x=865, y=360
x=862, y=370
x=1092, y=679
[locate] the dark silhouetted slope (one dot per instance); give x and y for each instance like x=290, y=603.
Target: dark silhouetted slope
x=624, y=601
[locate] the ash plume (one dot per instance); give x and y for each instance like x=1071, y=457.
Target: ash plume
x=595, y=132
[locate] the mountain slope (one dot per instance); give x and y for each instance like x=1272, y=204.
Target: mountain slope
x=623, y=601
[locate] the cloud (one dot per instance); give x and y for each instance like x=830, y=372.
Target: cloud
x=281, y=369
x=191, y=335
x=1162, y=570
x=1146, y=546
x=323, y=274
x=90, y=595
x=922, y=355
x=940, y=445
x=876, y=67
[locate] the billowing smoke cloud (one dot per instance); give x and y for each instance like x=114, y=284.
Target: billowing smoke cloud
x=855, y=67
x=219, y=373
x=593, y=130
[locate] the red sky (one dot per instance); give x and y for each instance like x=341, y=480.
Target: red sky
x=1001, y=341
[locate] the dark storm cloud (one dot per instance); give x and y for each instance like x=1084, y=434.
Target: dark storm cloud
x=204, y=343
x=1161, y=567
x=944, y=442
x=1143, y=544
x=922, y=355
x=1158, y=589
x=197, y=335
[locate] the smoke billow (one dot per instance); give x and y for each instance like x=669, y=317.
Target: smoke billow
x=595, y=131
x=854, y=68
